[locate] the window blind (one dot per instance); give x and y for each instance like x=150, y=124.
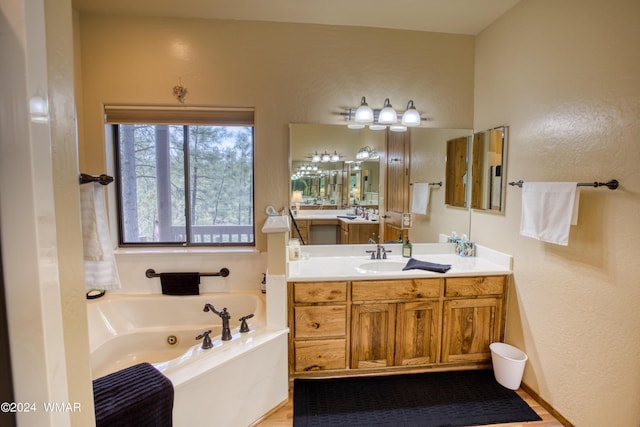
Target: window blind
x=131, y=114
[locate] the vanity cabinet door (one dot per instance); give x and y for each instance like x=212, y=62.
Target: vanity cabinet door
x=417, y=333
x=361, y=233
x=469, y=326
x=372, y=335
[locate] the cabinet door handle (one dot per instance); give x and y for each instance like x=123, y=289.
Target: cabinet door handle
x=315, y=325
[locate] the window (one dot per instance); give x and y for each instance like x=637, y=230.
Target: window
x=184, y=177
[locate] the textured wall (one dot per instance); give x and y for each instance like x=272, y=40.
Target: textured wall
x=563, y=75
x=289, y=73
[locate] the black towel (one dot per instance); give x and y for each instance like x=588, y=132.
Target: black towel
x=414, y=264
x=133, y=397
x=180, y=283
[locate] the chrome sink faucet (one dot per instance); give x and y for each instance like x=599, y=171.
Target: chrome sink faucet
x=379, y=253
x=225, y=316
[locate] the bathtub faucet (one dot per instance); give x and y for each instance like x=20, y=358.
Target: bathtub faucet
x=225, y=316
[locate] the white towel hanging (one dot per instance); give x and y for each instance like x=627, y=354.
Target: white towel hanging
x=420, y=199
x=100, y=270
x=548, y=210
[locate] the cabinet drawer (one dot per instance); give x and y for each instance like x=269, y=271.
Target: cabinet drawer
x=320, y=321
x=319, y=355
x=395, y=289
x=474, y=286
x=320, y=292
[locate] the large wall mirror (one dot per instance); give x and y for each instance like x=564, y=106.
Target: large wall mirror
x=488, y=170
x=345, y=181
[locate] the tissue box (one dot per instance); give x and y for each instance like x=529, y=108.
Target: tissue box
x=465, y=248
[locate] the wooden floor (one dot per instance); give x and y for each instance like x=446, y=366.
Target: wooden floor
x=283, y=416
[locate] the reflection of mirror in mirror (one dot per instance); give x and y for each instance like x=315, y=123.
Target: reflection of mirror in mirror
x=320, y=184
x=428, y=165
x=456, y=180
x=488, y=170
x=339, y=183
x=364, y=183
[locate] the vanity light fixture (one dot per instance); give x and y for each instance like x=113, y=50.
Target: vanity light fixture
x=315, y=157
x=387, y=115
x=325, y=157
x=411, y=117
x=335, y=157
x=365, y=153
x=364, y=113
x=383, y=118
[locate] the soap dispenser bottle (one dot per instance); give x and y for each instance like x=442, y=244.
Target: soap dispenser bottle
x=407, y=249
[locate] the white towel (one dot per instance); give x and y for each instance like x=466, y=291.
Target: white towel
x=420, y=201
x=100, y=270
x=548, y=210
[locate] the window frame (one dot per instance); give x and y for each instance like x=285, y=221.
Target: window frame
x=115, y=116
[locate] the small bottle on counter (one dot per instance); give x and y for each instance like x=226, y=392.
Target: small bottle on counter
x=294, y=249
x=407, y=249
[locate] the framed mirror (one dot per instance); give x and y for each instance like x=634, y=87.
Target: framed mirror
x=488, y=170
x=428, y=155
x=429, y=165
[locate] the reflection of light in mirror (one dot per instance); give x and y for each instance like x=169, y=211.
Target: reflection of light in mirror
x=38, y=109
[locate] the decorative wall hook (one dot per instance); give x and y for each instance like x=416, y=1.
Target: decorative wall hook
x=180, y=92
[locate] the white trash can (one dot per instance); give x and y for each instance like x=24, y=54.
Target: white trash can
x=508, y=364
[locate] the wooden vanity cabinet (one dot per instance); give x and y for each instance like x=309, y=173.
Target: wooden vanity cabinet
x=372, y=326
x=360, y=233
x=395, y=323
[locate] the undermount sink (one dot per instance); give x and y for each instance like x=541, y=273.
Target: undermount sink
x=381, y=266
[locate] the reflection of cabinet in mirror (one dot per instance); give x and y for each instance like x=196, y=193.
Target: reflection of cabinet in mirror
x=488, y=167
x=456, y=172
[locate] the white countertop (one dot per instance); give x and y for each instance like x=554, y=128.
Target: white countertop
x=332, y=214
x=345, y=262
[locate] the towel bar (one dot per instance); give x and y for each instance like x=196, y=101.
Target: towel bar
x=612, y=184
x=102, y=179
x=224, y=272
x=439, y=184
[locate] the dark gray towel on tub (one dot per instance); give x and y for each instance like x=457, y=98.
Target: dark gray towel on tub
x=414, y=264
x=180, y=283
x=133, y=397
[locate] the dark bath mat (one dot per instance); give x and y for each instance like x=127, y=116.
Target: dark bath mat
x=434, y=399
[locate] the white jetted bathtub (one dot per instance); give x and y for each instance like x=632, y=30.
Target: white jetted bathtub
x=232, y=384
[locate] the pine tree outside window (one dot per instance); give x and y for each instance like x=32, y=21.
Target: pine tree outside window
x=184, y=181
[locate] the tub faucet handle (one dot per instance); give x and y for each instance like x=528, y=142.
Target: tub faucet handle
x=243, y=325
x=206, y=341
